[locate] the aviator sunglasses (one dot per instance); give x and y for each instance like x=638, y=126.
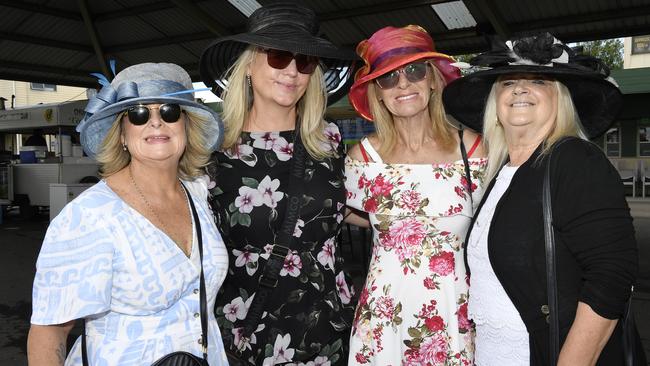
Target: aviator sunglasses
x=278, y=59
x=139, y=114
x=414, y=72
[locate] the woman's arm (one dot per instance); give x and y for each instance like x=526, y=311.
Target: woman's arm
x=356, y=217
x=587, y=337
x=46, y=344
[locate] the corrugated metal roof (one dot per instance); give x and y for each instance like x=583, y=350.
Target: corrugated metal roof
x=48, y=41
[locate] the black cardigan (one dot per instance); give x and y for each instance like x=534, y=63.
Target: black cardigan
x=596, y=251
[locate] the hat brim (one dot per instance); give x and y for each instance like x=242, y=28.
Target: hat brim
x=94, y=129
x=217, y=59
x=358, y=95
x=597, y=101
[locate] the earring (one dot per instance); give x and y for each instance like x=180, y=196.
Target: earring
x=124, y=146
x=248, y=80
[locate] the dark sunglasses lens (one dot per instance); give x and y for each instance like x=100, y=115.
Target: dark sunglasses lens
x=388, y=80
x=170, y=112
x=138, y=115
x=278, y=59
x=306, y=64
x=415, y=72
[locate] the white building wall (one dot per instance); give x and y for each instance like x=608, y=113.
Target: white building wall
x=633, y=61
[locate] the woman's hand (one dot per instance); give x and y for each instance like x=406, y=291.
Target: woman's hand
x=46, y=344
x=587, y=337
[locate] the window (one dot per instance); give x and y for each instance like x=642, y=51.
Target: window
x=640, y=45
x=613, y=143
x=43, y=87
x=644, y=137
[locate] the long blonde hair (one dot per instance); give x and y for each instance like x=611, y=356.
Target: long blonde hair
x=113, y=158
x=238, y=100
x=567, y=123
x=385, y=126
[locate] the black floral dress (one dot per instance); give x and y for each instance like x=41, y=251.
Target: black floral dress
x=307, y=318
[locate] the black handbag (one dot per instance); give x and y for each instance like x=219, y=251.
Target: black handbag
x=181, y=358
x=632, y=349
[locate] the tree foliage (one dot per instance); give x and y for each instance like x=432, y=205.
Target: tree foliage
x=608, y=50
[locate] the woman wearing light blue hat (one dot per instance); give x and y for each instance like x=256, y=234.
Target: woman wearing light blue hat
x=133, y=255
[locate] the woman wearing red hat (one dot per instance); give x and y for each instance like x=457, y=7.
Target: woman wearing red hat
x=418, y=183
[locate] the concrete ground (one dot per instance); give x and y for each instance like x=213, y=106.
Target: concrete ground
x=20, y=240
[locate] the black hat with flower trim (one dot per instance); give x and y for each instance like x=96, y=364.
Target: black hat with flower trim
x=595, y=94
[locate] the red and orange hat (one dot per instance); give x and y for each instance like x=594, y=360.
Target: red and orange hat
x=388, y=49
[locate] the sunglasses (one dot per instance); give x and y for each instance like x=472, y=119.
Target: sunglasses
x=280, y=59
x=139, y=114
x=414, y=72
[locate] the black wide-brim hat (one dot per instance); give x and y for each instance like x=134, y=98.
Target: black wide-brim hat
x=595, y=95
x=282, y=26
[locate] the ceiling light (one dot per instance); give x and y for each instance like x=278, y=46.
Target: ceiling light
x=454, y=14
x=247, y=7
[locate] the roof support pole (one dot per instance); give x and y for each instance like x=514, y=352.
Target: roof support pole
x=489, y=10
x=94, y=39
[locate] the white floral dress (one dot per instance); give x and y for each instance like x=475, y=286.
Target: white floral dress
x=413, y=307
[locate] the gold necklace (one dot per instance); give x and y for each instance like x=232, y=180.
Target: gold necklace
x=155, y=214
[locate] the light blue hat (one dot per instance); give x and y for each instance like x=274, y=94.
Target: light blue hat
x=147, y=83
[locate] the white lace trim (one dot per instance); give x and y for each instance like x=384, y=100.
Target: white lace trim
x=501, y=336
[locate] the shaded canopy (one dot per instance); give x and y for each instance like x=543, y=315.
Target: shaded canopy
x=63, y=41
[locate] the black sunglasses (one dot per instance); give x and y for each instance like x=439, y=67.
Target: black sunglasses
x=280, y=59
x=139, y=114
x=414, y=72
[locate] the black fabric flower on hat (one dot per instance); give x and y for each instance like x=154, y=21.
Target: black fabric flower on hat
x=540, y=49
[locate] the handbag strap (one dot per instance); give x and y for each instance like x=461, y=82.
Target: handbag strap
x=202, y=291
x=468, y=175
x=202, y=297
x=269, y=278
x=551, y=278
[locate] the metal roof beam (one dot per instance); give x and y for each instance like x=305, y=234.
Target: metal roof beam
x=94, y=38
x=30, y=78
x=40, y=9
x=133, y=11
x=603, y=16
x=382, y=8
x=490, y=11
x=7, y=64
x=202, y=17
x=21, y=38
x=160, y=42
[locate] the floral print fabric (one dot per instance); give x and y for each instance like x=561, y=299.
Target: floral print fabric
x=413, y=307
x=307, y=318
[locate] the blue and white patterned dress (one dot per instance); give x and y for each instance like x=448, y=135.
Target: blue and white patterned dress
x=103, y=261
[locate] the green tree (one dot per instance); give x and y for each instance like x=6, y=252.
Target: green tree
x=608, y=50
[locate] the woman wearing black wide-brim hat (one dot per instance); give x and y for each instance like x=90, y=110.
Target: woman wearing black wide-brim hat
x=278, y=193
x=537, y=104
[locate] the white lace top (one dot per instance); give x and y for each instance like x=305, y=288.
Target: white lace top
x=501, y=336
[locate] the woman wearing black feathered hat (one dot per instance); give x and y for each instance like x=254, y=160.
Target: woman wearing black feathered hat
x=278, y=191
x=537, y=103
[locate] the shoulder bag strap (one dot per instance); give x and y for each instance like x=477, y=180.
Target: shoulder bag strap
x=202, y=299
x=468, y=174
x=551, y=279
x=268, y=281
x=202, y=291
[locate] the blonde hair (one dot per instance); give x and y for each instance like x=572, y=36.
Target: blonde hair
x=385, y=126
x=112, y=157
x=238, y=100
x=567, y=123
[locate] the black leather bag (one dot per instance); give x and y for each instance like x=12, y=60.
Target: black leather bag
x=180, y=359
